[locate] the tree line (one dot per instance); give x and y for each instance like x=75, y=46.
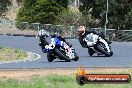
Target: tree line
x=90, y=12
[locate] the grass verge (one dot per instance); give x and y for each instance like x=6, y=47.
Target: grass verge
x=7, y=54
x=54, y=80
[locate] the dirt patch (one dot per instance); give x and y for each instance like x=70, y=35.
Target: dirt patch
x=26, y=73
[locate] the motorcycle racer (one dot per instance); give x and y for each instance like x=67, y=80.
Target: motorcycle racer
x=83, y=32
x=56, y=47
x=89, y=38
x=46, y=45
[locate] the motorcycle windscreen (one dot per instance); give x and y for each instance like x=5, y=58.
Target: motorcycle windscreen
x=91, y=37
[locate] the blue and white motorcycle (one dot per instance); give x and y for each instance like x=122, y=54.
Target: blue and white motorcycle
x=58, y=49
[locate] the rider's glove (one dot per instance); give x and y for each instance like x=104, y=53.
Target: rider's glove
x=40, y=43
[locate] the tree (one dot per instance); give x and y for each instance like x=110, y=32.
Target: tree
x=73, y=16
x=43, y=11
x=19, y=2
x=93, y=8
x=28, y=3
x=4, y=6
x=63, y=3
x=119, y=13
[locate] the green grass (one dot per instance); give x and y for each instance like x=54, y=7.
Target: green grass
x=7, y=54
x=54, y=81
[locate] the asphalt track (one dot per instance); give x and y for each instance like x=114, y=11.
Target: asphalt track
x=122, y=54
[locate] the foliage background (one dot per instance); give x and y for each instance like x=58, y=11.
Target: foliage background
x=4, y=4
x=42, y=11
x=119, y=13
x=90, y=12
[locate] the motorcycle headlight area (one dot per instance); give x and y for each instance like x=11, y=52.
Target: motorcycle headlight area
x=71, y=53
x=90, y=43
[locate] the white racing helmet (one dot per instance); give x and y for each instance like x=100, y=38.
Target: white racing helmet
x=43, y=33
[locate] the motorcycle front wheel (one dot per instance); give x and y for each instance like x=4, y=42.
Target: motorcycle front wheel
x=50, y=57
x=61, y=55
x=76, y=57
x=90, y=51
x=101, y=49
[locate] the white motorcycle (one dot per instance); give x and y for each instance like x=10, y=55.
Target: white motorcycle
x=97, y=45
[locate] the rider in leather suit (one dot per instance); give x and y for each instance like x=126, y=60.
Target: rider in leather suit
x=44, y=39
x=83, y=32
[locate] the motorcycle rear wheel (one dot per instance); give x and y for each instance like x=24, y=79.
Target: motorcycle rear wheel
x=90, y=51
